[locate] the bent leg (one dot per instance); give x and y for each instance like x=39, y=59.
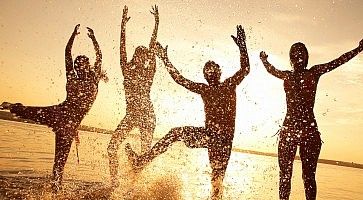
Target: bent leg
x=174, y=135
x=309, y=153
x=286, y=156
x=63, y=143
x=116, y=139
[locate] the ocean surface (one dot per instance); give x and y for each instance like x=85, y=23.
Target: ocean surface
x=26, y=159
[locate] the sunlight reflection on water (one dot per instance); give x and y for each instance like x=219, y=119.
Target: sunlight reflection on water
x=26, y=151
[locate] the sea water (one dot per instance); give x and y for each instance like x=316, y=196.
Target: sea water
x=27, y=153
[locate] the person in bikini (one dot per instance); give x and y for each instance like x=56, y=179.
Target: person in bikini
x=138, y=78
x=65, y=118
x=300, y=127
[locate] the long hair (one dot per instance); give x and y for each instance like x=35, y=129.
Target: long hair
x=140, y=54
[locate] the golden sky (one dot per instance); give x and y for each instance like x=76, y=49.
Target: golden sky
x=33, y=35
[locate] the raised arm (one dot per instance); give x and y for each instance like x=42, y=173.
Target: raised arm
x=68, y=53
x=155, y=12
x=152, y=45
x=123, y=55
x=98, y=62
x=327, y=67
x=271, y=69
x=240, y=40
x=175, y=74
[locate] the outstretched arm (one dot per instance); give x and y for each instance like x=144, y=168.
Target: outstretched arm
x=271, y=69
x=123, y=55
x=240, y=40
x=98, y=62
x=327, y=67
x=68, y=53
x=175, y=74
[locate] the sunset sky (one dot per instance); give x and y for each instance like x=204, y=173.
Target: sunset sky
x=33, y=36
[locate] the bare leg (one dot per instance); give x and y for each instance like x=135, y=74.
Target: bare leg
x=176, y=134
x=160, y=147
x=147, y=131
x=309, y=153
x=63, y=143
x=219, y=155
x=286, y=156
x=116, y=139
x=217, y=183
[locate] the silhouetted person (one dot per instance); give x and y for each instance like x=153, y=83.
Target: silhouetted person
x=300, y=127
x=220, y=111
x=65, y=118
x=138, y=78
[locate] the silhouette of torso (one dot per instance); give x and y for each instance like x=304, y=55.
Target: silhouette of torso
x=300, y=89
x=80, y=96
x=137, y=85
x=220, y=108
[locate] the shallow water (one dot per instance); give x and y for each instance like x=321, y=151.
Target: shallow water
x=26, y=156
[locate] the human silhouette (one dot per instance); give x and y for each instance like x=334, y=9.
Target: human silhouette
x=300, y=127
x=138, y=78
x=65, y=118
x=219, y=100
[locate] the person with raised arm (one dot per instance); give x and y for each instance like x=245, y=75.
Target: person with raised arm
x=138, y=78
x=300, y=127
x=65, y=118
x=219, y=100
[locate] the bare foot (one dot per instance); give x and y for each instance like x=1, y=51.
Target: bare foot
x=5, y=105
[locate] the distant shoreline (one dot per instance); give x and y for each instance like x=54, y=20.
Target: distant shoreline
x=5, y=115
x=323, y=161
x=8, y=116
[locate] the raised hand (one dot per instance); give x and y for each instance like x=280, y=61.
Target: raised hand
x=161, y=52
x=68, y=53
x=104, y=76
x=263, y=56
x=76, y=29
x=125, y=19
x=240, y=40
x=90, y=33
x=155, y=12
